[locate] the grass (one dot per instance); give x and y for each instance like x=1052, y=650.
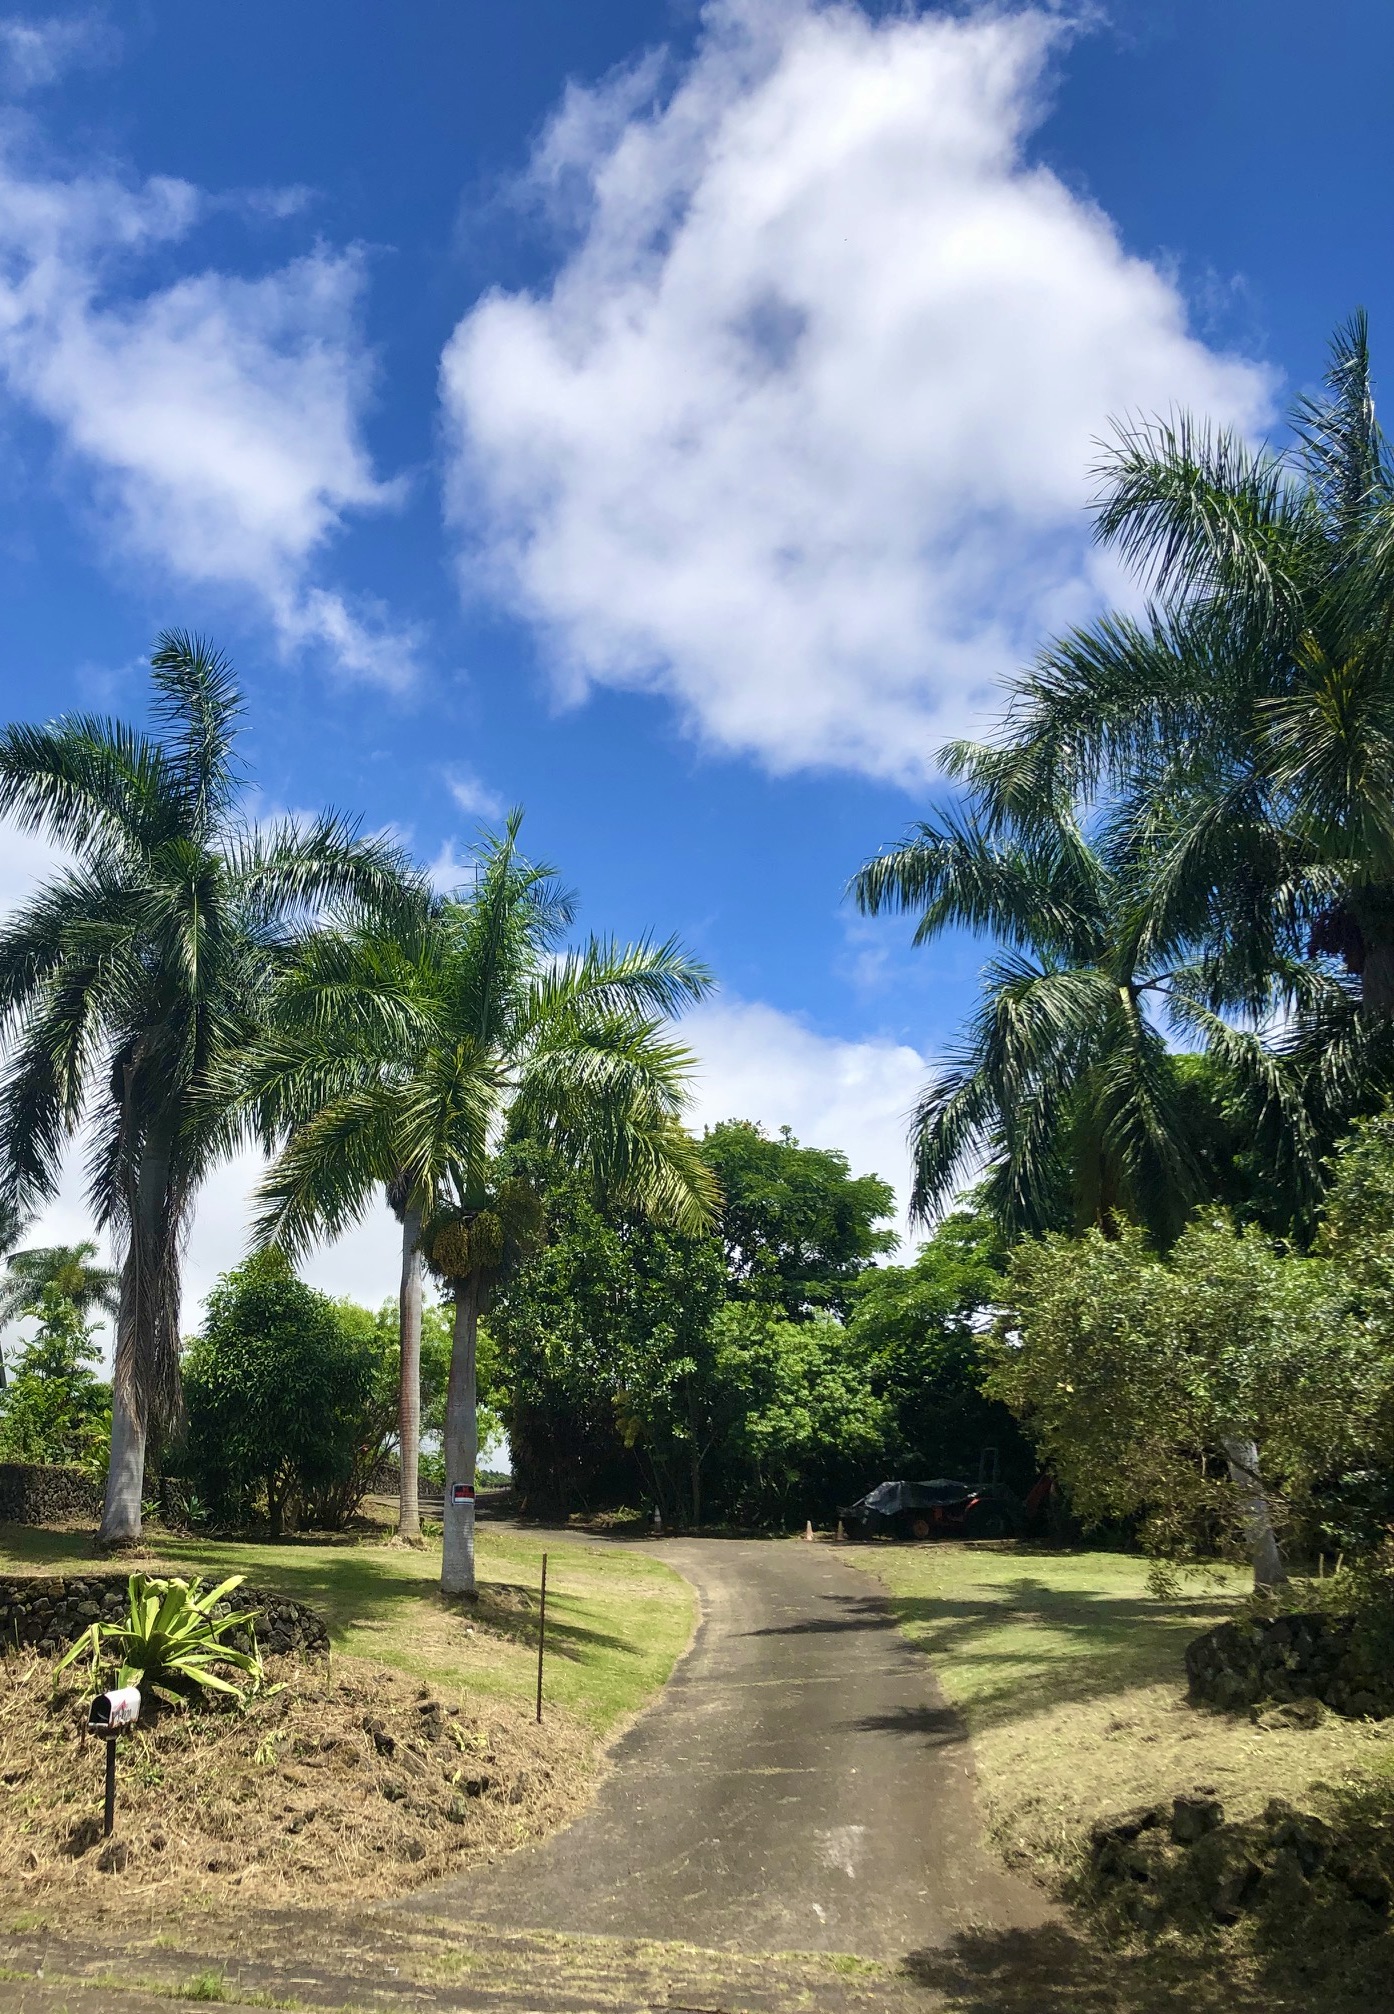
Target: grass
x=616, y=1619
x=1070, y=1675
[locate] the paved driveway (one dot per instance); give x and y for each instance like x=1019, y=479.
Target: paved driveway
x=799, y=1785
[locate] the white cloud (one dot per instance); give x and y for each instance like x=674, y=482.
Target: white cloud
x=35, y=53
x=758, y=1063
x=799, y=436
x=218, y=418
x=474, y=798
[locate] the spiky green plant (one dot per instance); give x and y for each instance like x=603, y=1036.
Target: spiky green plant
x=171, y=1634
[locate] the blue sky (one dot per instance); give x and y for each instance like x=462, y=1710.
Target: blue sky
x=672, y=418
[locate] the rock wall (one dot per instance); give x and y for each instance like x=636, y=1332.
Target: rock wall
x=30, y=1494
x=44, y=1613
x=1184, y=1866
x=1337, y=1659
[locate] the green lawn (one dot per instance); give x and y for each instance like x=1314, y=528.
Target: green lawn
x=616, y=1619
x=1071, y=1677
x=1015, y=1631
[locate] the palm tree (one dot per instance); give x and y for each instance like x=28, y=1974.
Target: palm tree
x=1246, y=719
x=426, y=1058
x=129, y=975
x=67, y=1270
x=1063, y=1094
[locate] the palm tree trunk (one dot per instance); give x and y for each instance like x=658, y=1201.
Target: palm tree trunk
x=461, y=1443
x=1244, y=1472
x=144, y=1371
x=409, y=1404
x=125, y=1476
x=1377, y=976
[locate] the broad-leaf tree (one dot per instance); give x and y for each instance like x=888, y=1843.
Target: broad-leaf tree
x=132, y=972
x=797, y=1227
x=429, y=1056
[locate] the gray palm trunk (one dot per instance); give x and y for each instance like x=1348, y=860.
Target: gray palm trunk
x=409, y=1403
x=1242, y=1457
x=145, y=1366
x=461, y=1443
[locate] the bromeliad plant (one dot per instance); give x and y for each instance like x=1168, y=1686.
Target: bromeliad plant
x=171, y=1634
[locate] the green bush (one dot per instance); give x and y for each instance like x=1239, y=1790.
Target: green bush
x=286, y=1400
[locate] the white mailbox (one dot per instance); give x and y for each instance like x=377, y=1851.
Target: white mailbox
x=113, y=1712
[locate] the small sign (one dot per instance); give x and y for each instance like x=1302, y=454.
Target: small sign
x=462, y=1493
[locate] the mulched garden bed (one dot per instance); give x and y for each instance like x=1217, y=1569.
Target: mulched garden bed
x=351, y=1781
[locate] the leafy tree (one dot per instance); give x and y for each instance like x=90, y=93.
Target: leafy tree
x=54, y=1408
x=281, y=1394
x=132, y=973
x=1188, y=1390
x=609, y=1304
x=920, y=1333
x=626, y=1361
x=798, y=1421
x=797, y=1227
x=414, y=1056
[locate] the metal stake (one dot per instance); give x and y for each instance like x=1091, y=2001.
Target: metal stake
x=541, y=1636
x=109, y=1809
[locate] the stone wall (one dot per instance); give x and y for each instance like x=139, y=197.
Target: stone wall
x=1183, y=1866
x=1337, y=1659
x=43, y=1612
x=30, y=1494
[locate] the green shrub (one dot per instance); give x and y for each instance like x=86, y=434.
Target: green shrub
x=284, y=1399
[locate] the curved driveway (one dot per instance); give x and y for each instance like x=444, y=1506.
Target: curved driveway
x=798, y=1785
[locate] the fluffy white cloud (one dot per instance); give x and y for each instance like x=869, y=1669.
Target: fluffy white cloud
x=218, y=419
x=758, y=1063
x=799, y=436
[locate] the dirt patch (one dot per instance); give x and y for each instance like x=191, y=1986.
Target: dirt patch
x=357, y=1783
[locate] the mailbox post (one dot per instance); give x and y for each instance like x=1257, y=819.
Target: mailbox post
x=113, y=1714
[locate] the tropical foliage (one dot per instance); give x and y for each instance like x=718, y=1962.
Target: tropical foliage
x=438, y=1058
x=171, y=1639
x=133, y=972
x=55, y=1408
x=284, y=1401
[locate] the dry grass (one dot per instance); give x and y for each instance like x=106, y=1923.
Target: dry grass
x=1070, y=1675
x=296, y=1802
x=351, y=1784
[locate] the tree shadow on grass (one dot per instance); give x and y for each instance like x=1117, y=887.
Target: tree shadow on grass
x=1110, y=1643
x=1055, y=1970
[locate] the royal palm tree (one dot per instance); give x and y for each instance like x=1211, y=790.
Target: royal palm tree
x=425, y=1058
x=68, y=1270
x=129, y=975
x=1246, y=719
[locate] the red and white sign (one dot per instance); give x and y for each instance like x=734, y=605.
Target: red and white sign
x=462, y=1493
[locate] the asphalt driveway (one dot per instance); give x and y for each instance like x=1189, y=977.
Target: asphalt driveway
x=799, y=1785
